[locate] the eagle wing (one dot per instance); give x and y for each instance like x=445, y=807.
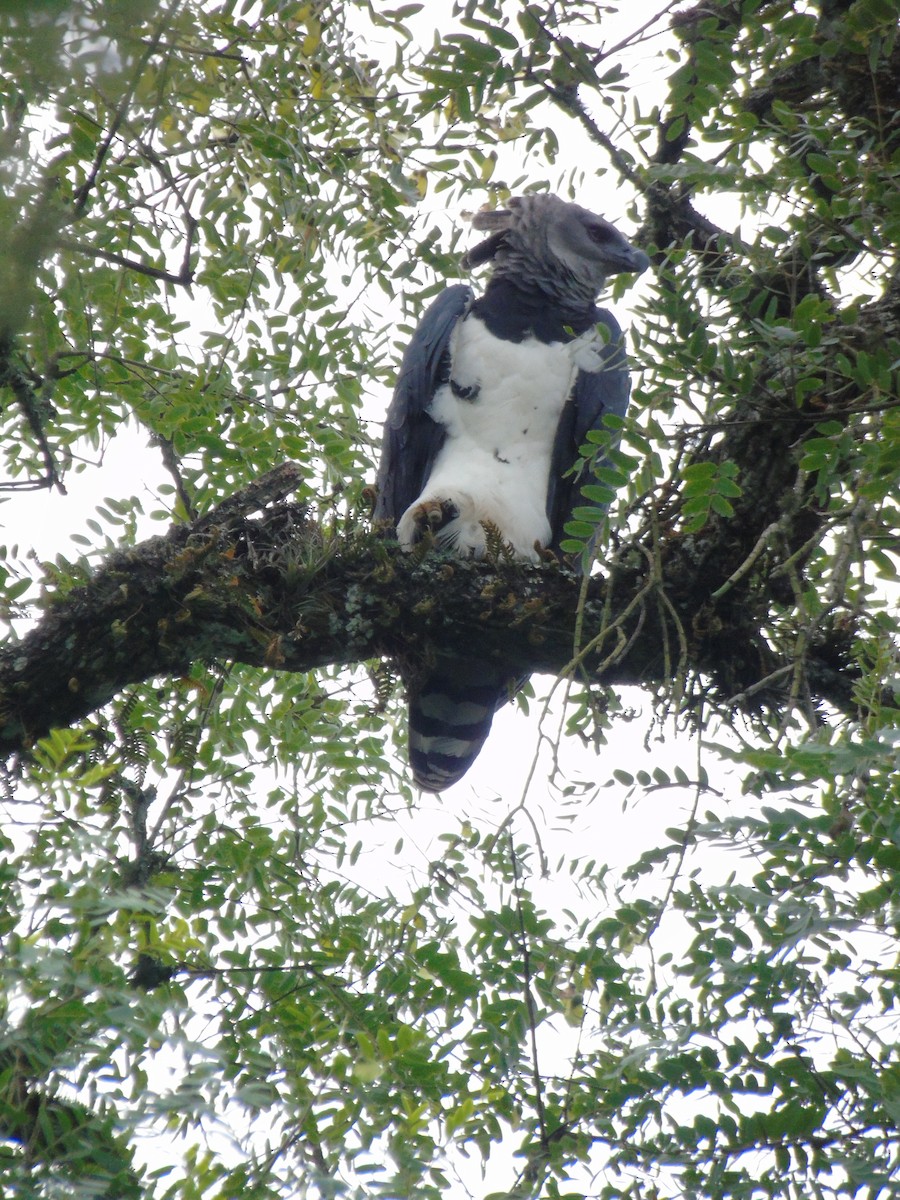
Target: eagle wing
x=451, y=707
x=411, y=438
x=598, y=391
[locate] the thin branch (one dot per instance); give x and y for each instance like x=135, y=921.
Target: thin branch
x=170, y=462
x=636, y=35
x=182, y=278
x=179, y=787
x=82, y=195
x=571, y=103
x=738, y=574
x=35, y=409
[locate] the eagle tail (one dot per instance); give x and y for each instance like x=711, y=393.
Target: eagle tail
x=450, y=715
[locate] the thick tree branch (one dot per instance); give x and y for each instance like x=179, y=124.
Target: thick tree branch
x=270, y=590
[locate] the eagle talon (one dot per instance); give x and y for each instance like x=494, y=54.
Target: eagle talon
x=431, y=516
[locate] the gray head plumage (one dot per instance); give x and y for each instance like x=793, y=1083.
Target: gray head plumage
x=560, y=247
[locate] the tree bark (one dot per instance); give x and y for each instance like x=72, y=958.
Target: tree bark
x=255, y=581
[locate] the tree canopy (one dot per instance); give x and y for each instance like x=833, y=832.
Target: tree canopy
x=227, y=967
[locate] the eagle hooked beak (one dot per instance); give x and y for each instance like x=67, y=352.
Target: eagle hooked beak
x=617, y=260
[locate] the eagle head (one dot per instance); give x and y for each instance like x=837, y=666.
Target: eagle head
x=557, y=245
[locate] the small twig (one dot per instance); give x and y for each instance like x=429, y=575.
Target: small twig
x=848, y=545
x=183, y=278
x=686, y=840
x=505, y=825
x=170, y=462
x=570, y=103
x=634, y=37
x=183, y=777
x=740, y=698
x=679, y=629
x=737, y=575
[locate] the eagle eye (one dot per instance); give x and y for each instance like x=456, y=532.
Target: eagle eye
x=601, y=234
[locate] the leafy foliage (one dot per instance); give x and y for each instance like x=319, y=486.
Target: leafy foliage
x=233, y=960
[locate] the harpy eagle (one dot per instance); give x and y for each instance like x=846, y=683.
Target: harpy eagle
x=493, y=402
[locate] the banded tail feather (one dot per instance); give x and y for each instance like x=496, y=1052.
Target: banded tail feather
x=450, y=717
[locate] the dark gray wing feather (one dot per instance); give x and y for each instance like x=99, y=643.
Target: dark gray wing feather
x=595, y=394
x=451, y=708
x=411, y=438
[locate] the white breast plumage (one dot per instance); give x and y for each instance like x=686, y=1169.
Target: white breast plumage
x=500, y=411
